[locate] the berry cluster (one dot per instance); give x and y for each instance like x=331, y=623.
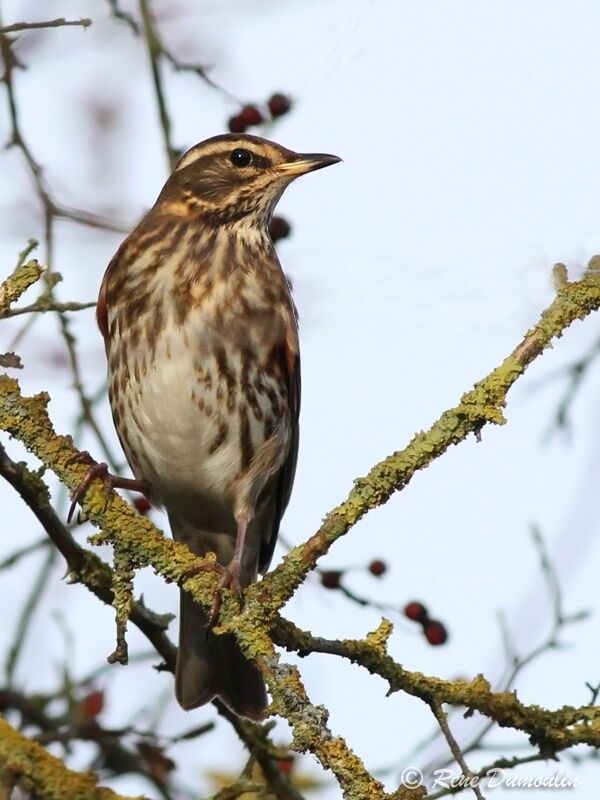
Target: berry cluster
x=435, y=631
x=331, y=578
x=250, y=115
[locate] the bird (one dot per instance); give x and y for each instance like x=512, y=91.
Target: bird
x=201, y=339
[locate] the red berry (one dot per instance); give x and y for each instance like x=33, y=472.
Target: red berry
x=416, y=611
x=236, y=125
x=279, y=104
x=435, y=632
x=286, y=765
x=331, y=579
x=93, y=703
x=142, y=505
x=279, y=228
x=377, y=567
x=250, y=115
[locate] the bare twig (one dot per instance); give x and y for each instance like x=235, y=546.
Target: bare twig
x=472, y=781
x=489, y=769
x=22, y=627
x=51, y=212
x=576, y=373
x=60, y=22
x=155, y=52
x=158, y=51
x=118, y=13
x=42, y=306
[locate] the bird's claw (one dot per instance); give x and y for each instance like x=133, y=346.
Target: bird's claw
x=230, y=579
x=94, y=471
x=100, y=470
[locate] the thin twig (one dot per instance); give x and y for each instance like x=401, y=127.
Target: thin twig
x=51, y=212
x=485, y=772
x=61, y=22
x=23, y=626
x=472, y=782
x=516, y=663
x=42, y=306
x=155, y=51
x=23, y=552
x=118, y=13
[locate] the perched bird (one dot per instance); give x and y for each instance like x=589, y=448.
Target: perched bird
x=204, y=380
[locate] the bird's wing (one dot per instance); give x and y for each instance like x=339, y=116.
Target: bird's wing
x=102, y=311
x=290, y=363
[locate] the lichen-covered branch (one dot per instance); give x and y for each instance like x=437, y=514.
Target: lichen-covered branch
x=30, y=766
x=82, y=566
x=27, y=419
x=87, y=569
x=24, y=276
x=553, y=730
x=142, y=544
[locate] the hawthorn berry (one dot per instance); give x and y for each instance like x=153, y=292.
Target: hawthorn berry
x=279, y=228
x=279, y=104
x=142, y=506
x=331, y=579
x=93, y=703
x=416, y=611
x=250, y=115
x=236, y=124
x=435, y=632
x=377, y=567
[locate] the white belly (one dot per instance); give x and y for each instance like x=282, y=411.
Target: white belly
x=181, y=422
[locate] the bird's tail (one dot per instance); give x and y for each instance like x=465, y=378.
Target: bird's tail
x=209, y=665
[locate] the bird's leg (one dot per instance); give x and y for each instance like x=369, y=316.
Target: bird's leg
x=101, y=471
x=230, y=574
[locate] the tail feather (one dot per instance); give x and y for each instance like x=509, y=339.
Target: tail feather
x=211, y=666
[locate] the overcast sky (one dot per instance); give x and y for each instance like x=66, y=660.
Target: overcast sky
x=469, y=133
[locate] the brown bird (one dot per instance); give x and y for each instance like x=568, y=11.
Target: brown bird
x=204, y=380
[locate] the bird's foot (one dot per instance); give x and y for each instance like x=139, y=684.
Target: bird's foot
x=230, y=579
x=100, y=470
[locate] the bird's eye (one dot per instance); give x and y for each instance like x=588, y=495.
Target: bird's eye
x=240, y=157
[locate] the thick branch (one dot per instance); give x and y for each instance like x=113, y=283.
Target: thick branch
x=551, y=730
x=83, y=566
x=27, y=764
x=86, y=568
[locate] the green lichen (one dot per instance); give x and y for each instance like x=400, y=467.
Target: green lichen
x=24, y=276
x=139, y=543
x=29, y=765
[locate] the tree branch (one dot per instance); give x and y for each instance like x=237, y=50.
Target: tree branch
x=61, y=22
x=29, y=765
x=27, y=419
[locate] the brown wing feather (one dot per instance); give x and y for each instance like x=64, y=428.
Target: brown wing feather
x=290, y=363
x=102, y=311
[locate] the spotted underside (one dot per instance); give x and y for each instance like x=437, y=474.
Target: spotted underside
x=202, y=349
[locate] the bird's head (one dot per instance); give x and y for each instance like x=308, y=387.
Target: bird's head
x=236, y=177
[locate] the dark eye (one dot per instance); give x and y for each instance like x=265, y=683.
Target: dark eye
x=240, y=157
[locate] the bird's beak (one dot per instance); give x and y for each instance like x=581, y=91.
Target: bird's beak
x=306, y=162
